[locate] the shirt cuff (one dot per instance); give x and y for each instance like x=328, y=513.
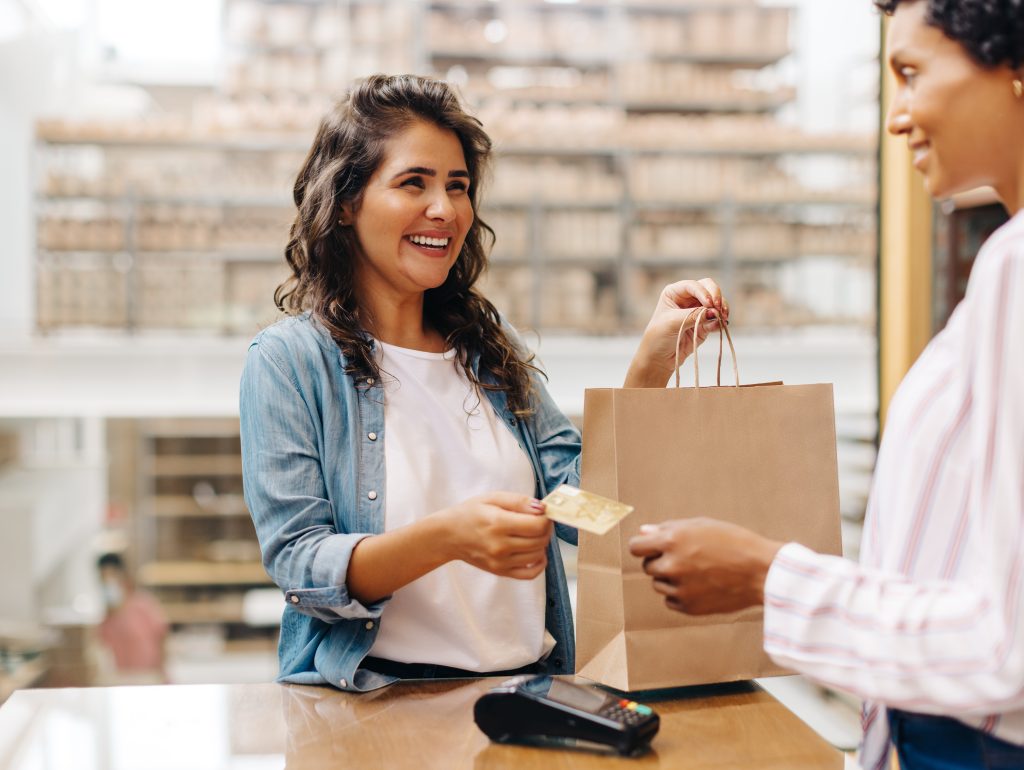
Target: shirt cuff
x=328, y=598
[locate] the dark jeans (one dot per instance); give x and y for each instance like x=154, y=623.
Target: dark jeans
x=940, y=743
x=433, y=671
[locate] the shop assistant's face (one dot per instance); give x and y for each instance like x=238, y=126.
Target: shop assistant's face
x=954, y=113
x=415, y=213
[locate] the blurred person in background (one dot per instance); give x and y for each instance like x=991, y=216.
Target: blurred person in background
x=134, y=627
x=396, y=436
x=929, y=629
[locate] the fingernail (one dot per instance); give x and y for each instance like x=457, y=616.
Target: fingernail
x=537, y=505
x=648, y=529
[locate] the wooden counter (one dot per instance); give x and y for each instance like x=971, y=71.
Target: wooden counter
x=421, y=725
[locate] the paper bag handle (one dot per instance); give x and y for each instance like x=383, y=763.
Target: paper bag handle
x=696, y=364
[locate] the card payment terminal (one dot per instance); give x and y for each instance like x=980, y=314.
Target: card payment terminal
x=548, y=711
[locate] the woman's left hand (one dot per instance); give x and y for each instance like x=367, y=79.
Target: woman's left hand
x=702, y=566
x=655, y=358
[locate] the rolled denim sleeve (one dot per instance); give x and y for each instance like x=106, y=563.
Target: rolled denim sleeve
x=303, y=551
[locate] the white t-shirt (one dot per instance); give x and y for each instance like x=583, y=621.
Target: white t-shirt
x=442, y=445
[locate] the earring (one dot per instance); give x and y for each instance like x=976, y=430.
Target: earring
x=1018, y=88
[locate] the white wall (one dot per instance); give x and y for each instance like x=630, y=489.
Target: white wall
x=43, y=72
x=836, y=68
x=52, y=505
x=25, y=80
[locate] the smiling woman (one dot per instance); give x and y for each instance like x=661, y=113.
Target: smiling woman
x=370, y=181
x=411, y=223
x=395, y=435
x=955, y=98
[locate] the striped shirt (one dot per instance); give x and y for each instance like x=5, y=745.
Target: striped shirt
x=931, y=621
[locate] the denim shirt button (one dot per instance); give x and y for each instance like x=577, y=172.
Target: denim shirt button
x=369, y=625
x=293, y=599
x=372, y=494
x=369, y=381
x=372, y=436
x=343, y=683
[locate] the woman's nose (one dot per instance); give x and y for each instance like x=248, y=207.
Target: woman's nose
x=440, y=207
x=897, y=120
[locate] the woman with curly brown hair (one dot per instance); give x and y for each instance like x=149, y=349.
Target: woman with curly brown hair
x=929, y=628
x=396, y=438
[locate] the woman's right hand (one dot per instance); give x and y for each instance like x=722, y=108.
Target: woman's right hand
x=656, y=357
x=503, y=533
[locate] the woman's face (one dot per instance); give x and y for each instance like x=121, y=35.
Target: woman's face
x=957, y=116
x=414, y=215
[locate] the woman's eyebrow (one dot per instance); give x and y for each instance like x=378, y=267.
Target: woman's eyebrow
x=896, y=57
x=423, y=170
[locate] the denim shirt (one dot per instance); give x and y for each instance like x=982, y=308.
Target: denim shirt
x=314, y=476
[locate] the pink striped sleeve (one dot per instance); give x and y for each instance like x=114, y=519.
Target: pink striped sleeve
x=949, y=646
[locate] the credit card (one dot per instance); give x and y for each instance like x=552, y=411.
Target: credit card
x=584, y=510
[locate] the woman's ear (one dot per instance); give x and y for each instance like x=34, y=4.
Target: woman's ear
x=345, y=215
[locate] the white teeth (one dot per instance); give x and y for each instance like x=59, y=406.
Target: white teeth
x=423, y=240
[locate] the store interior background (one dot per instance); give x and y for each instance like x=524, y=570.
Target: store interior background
x=147, y=154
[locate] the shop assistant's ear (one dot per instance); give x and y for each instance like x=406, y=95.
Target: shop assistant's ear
x=345, y=215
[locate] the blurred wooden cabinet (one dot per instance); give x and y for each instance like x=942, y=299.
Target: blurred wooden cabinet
x=196, y=547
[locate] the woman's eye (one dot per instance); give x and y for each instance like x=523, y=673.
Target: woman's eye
x=413, y=181
x=458, y=186
x=908, y=74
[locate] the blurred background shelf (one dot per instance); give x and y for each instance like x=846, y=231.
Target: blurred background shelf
x=201, y=573
x=197, y=465
x=188, y=505
x=603, y=115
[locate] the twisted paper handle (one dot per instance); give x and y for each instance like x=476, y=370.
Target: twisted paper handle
x=696, y=364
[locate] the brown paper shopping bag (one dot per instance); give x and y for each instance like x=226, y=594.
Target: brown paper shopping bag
x=761, y=456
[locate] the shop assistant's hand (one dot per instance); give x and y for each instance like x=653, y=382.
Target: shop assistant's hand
x=702, y=566
x=500, y=532
x=655, y=358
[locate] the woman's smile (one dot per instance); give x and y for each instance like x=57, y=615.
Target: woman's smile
x=433, y=243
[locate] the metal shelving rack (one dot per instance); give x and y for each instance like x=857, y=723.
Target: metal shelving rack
x=617, y=269
x=615, y=61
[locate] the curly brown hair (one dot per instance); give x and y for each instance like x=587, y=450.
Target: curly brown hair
x=348, y=148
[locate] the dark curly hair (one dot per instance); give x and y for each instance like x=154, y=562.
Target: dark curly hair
x=348, y=148
x=992, y=31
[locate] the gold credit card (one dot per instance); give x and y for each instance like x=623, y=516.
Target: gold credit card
x=584, y=510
